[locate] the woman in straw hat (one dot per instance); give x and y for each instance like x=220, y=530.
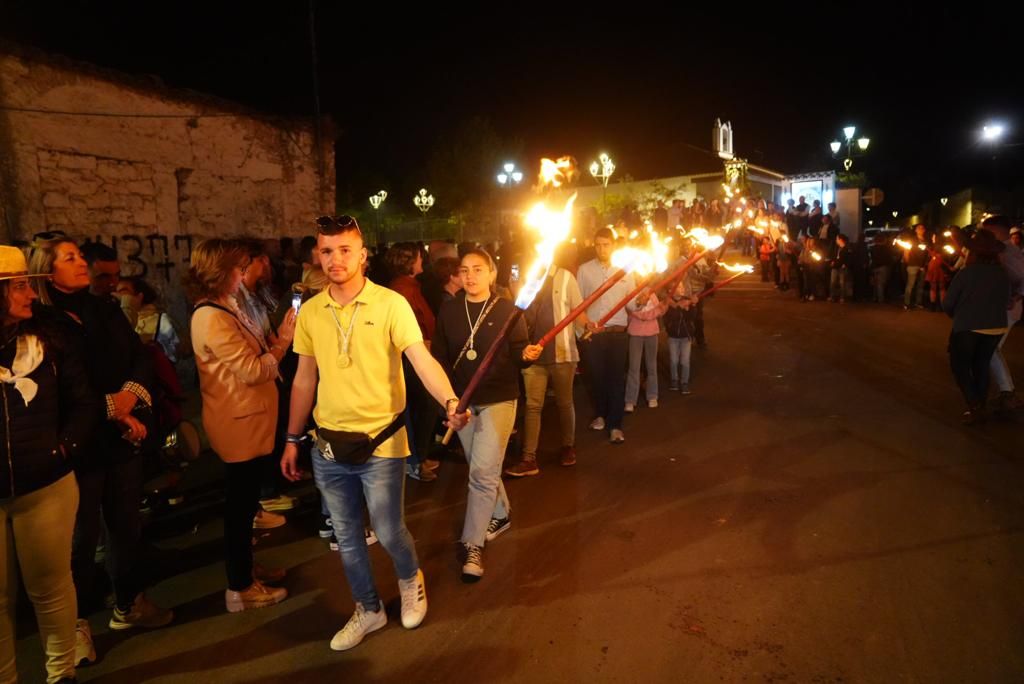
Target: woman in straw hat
x=48, y=415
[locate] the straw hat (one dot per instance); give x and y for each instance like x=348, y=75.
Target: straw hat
x=13, y=264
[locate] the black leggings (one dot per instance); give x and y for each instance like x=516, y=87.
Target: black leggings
x=969, y=357
x=241, y=501
x=112, y=490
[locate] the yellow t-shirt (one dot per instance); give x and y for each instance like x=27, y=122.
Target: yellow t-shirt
x=368, y=394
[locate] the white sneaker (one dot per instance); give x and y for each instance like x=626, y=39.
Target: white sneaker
x=358, y=626
x=618, y=437
x=630, y=408
x=652, y=403
x=85, y=652
x=597, y=424
x=414, y=600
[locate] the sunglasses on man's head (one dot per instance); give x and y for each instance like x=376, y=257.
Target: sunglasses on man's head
x=343, y=221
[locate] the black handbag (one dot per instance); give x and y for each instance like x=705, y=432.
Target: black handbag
x=353, y=448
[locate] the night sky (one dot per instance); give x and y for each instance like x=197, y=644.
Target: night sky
x=646, y=89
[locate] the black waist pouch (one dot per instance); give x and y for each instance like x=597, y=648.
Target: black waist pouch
x=353, y=448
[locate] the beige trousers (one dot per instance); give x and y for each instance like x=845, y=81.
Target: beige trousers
x=37, y=531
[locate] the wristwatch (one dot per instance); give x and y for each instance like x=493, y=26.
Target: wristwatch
x=295, y=439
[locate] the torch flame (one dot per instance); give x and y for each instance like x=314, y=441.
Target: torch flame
x=629, y=258
x=902, y=244
x=815, y=256
x=737, y=268
x=705, y=240
x=949, y=249
x=557, y=173
x=553, y=228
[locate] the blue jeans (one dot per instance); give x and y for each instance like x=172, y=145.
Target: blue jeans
x=646, y=348
x=484, y=441
x=839, y=282
x=679, y=360
x=881, y=276
x=915, y=280
x=381, y=482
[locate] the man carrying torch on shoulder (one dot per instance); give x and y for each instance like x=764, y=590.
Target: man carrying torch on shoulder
x=607, y=351
x=350, y=339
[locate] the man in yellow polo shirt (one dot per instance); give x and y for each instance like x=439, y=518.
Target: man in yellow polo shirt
x=352, y=335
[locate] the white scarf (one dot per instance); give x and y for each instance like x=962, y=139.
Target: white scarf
x=27, y=357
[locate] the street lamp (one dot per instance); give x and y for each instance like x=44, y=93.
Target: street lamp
x=602, y=170
x=376, y=201
x=992, y=132
x=854, y=147
x=510, y=176
x=423, y=201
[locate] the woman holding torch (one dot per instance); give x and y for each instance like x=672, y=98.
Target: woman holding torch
x=467, y=327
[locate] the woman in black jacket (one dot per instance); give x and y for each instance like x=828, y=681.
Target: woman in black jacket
x=466, y=329
x=49, y=413
x=110, y=474
x=977, y=301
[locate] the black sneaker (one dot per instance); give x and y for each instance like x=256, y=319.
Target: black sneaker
x=496, y=527
x=326, y=530
x=473, y=563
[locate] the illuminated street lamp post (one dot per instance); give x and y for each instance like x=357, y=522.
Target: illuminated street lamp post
x=602, y=170
x=423, y=201
x=376, y=201
x=508, y=178
x=853, y=147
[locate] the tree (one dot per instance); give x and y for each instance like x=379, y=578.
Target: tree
x=463, y=165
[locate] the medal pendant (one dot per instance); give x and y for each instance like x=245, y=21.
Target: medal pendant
x=344, y=361
x=471, y=355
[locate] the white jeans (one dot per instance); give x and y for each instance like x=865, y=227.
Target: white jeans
x=484, y=441
x=1000, y=369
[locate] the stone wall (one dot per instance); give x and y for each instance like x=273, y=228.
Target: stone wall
x=151, y=171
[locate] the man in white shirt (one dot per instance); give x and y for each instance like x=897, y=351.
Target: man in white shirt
x=606, y=355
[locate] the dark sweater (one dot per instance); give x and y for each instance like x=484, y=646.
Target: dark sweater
x=113, y=355
x=502, y=381
x=977, y=298
x=679, y=322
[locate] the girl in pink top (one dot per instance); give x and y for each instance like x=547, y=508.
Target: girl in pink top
x=643, y=344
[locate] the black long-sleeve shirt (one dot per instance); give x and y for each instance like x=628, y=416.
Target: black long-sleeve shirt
x=502, y=381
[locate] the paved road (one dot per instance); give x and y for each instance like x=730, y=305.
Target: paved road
x=814, y=512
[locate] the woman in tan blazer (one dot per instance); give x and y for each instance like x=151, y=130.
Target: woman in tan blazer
x=237, y=373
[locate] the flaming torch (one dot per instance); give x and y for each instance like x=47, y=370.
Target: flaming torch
x=705, y=243
x=736, y=269
x=553, y=227
x=624, y=260
x=649, y=264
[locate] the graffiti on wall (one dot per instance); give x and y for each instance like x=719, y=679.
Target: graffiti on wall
x=140, y=252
